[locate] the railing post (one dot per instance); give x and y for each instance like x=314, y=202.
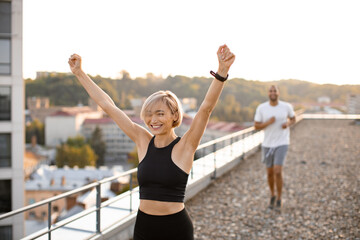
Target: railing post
x=243, y=146
x=130, y=188
x=98, y=203
x=49, y=220
x=203, y=162
x=231, y=146
x=214, y=150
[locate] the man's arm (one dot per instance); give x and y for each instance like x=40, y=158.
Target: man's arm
x=290, y=122
x=262, y=125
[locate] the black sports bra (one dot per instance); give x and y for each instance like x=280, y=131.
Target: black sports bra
x=159, y=177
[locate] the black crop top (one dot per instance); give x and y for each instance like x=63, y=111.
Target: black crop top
x=159, y=177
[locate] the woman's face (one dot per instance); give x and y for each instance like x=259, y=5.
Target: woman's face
x=159, y=119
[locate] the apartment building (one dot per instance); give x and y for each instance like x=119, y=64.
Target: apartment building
x=353, y=104
x=118, y=144
x=11, y=118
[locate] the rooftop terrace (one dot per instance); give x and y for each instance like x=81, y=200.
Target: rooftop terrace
x=227, y=193
x=321, y=194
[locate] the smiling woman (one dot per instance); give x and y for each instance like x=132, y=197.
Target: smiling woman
x=165, y=159
x=169, y=102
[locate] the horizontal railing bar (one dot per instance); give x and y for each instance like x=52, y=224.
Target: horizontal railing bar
x=46, y=201
x=117, y=198
x=212, y=142
x=105, y=180
x=63, y=195
x=67, y=221
x=331, y=116
x=92, y=185
x=83, y=213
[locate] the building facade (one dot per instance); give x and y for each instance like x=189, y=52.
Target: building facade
x=353, y=104
x=118, y=144
x=50, y=181
x=66, y=123
x=11, y=118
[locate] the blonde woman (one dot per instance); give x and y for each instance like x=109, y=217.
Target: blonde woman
x=165, y=160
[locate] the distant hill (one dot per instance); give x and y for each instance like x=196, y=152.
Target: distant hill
x=237, y=102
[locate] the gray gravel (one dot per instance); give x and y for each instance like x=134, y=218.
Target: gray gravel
x=321, y=193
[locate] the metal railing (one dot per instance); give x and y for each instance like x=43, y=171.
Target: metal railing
x=245, y=136
x=202, y=150
x=96, y=185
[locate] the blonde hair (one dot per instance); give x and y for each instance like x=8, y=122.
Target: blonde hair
x=167, y=97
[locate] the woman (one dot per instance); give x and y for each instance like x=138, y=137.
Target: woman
x=165, y=159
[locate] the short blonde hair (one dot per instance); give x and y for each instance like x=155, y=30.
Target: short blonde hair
x=167, y=97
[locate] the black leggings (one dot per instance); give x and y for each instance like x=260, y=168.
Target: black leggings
x=177, y=226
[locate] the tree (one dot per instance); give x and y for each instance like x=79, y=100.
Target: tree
x=98, y=144
x=76, y=142
x=35, y=129
x=133, y=158
x=75, y=152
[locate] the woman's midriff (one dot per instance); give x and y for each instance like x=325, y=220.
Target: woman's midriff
x=160, y=208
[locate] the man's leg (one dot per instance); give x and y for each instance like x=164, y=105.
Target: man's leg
x=279, y=159
x=268, y=159
x=271, y=180
x=278, y=180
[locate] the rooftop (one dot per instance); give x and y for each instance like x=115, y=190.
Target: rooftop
x=52, y=178
x=321, y=193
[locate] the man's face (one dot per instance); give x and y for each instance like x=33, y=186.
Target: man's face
x=273, y=93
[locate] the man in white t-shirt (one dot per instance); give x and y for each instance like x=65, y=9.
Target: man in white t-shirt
x=275, y=117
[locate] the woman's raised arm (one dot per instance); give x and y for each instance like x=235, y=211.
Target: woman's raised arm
x=193, y=136
x=131, y=129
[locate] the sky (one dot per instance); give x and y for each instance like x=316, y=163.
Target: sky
x=311, y=40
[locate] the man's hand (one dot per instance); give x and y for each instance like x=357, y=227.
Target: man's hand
x=271, y=120
x=75, y=63
x=226, y=59
x=289, y=123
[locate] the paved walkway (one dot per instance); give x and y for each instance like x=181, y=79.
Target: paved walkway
x=321, y=195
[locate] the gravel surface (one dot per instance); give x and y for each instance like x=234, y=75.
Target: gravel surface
x=321, y=193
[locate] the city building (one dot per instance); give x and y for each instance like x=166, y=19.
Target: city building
x=118, y=144
x=39, y=108
x=324, y=99
x=66, y=123
x=11, y=118
x=353, y=104
x=49, y=181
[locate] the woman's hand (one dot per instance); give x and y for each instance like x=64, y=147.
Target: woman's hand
x=226, y=59
x=75, y=63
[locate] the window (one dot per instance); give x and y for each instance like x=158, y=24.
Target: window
x=5, y=37
x=5, y=196
x=5, y=103
x=31, y=201
x=5, y=150
x=6, y=232
x=32, y=214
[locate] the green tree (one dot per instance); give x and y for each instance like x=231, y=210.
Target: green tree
x=76, y=142
x=75, y=152
x=98, y=144
x=35, y=129
x=133, y=158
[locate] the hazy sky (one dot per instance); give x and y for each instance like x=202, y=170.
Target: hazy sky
x=311, y=40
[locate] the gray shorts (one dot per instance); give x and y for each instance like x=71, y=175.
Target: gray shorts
x=274, y=156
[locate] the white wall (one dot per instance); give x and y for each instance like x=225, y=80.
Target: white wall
x=58, y=129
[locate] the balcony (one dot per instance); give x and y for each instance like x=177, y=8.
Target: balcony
x=227, y=193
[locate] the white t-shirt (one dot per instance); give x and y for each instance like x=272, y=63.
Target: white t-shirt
x=274, y=134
